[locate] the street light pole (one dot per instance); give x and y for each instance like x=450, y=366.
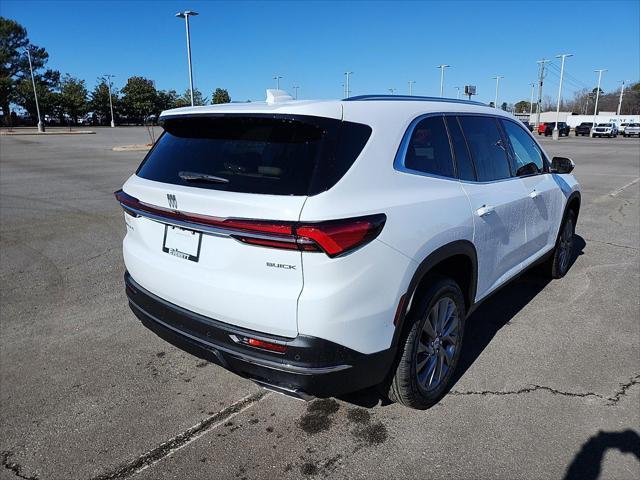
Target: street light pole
x=277, y=79
x=497, y=79
x=108, y=77
x=295, y=88
x=347, y=91
x=186, y=15
x=457, y=93
x=35, y=94
x=411, y=82
x=555, y=134
x=442, y=67
x=533, y=86
x=621, y=94
x=595, y=108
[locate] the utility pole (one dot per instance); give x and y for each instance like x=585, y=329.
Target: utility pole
x=540, y=80
x=35, y=94
x=621, y=94
x=109, y=77
x=595, y=108
x=186, y=15
x=411, y=82
x=555, y=134
x=442, y=67
x=497, y=79
x=295, y=88
x=457, y=92
x=347, y=91
x=277, y=79
x=533, y=86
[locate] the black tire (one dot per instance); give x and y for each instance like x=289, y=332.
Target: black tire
x=405, y=388
x=560, y=261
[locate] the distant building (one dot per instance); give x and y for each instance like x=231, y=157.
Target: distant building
x=573, y=120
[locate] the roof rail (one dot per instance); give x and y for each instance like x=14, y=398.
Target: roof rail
x=413, y=98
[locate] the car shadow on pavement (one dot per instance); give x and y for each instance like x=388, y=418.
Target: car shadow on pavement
x=483, y=324
x=587, y=464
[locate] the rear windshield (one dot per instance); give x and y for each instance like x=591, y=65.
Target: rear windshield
x=277, y=155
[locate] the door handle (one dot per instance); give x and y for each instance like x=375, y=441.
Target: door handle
x=534, y=194
x=484, y=210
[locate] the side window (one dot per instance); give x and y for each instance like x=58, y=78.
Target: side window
x=428, y=150
x=487, y=147
x=527, y=153
x=460, y=150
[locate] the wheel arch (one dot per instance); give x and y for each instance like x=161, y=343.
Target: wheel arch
x=457, y=260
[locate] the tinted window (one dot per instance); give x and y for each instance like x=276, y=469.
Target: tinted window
x=279, y=156
x=487, y=148
x=429, y=150
x=460, y=150
x=525, y=149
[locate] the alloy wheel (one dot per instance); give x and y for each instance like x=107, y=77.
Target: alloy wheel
x=437, y=344
x=566, y=245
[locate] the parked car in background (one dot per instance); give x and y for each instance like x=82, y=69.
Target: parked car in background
x=584, y=129
x=631, y=130
x=605, y=130
x=547, y=129
x=621, y=128
x=529, y=126
x=287, y=241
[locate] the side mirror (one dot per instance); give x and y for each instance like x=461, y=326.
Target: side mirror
x=562, y=165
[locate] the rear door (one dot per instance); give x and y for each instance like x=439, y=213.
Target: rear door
x=497, y=202
x=216, y=184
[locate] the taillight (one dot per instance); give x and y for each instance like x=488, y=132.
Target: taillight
x=333, y=237
x=337, y=237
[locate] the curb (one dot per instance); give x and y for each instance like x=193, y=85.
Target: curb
x=73, y=132
x=131, y=148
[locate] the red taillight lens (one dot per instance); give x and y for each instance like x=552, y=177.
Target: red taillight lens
x=274, y=347
x=340, y=236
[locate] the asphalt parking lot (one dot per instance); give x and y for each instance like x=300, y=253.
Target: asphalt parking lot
x=550, y=384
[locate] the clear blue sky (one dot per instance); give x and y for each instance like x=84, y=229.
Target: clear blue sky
x=242, y=45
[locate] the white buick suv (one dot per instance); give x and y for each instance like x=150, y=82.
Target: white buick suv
x=320, y=247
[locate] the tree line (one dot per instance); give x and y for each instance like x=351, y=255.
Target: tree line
x=584, y=101
x=65, y=99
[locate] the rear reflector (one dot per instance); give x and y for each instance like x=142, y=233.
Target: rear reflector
x=274, y=347
x=333, y=237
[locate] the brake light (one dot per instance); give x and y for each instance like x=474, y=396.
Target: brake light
x=333, y=237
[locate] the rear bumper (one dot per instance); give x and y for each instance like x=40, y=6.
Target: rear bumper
x=309, y=367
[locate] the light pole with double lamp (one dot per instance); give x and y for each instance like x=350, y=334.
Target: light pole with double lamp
x=556, y=133
x=113, y=120
x=35, y=94
x=186, y=14
x=442, y=67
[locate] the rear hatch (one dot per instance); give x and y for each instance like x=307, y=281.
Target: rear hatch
x=212, y=207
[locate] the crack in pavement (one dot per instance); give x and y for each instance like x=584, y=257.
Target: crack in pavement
x=612, y=400
x=167, y=448
x=623, y=390
x=16, y=468
x=612, y=244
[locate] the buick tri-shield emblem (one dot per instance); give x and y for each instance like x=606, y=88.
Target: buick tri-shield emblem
x=173, y=203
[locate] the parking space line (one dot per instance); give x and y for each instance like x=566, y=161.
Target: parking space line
x=183, y=439
x=617, y=191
